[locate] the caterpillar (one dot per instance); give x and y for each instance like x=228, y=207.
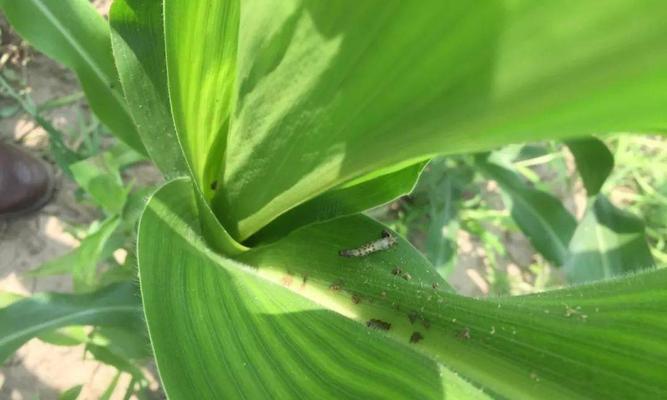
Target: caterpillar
x=388, y=240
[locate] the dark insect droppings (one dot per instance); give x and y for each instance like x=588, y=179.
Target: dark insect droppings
x=378, y=324
x=412, y=317
x=416, y=337
x=214, y=185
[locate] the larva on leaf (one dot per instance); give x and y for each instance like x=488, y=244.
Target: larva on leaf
x=385, y=242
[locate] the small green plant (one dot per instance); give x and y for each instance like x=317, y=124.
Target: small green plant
x=103, y=286
x=278, y=124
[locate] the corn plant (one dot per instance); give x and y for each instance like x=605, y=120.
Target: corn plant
x=278, y=123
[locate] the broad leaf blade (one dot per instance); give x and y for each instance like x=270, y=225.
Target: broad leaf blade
x=253, y=343
x=323, y=99
x=73, y=33
x=252, y=325
x=200, y=46
x=594, y=162
x=541, y=217
x=137, y=36
x=115, y=305
x=608, y=242
x=348, y=199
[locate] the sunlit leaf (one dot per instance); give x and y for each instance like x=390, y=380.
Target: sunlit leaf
x=66, y=336
x=215, y=329
x=82, y=261
x=327, y=92
x=200, y=45
x=137, y=36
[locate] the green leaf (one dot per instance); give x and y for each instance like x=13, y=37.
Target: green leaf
x=200, y=45
x=108, y=356
x=128, y=342
x=73, y=33
x=608, y=242
x=351, y=198
x=200, y=49
x=115, y=305
x=231, y=329
x=442, y=185
x=110, y=389
x=71, y=393
x=66, y=336
x=82, y=261
x=329, y=92
x=293, y=318
x=7, y=298
x=100, y=177
x=9, y=111
x=137, y=36
x=594, y=162
x=540, y=216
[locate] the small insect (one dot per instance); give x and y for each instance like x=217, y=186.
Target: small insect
x=214, y=185
x=416, y=337
x=335, y=286
x=407, y=276
x=387, y=241
x=378, y=324
x=396, y=271
x=356, y=299
x=435, y=285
